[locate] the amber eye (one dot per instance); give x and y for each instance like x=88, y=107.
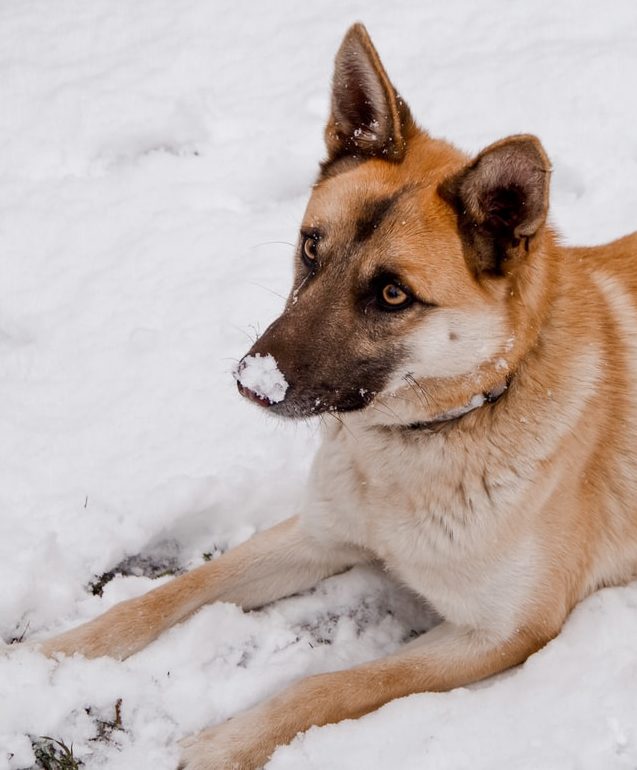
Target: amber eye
x=393, y=297
x=309, y=251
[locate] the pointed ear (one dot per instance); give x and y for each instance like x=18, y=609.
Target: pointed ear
x=501, y=201
x=368, y=117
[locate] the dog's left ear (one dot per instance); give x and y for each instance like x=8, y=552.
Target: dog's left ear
x=501, y=201
x=368, y=118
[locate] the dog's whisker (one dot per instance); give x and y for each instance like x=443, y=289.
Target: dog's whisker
x=418, y=390
x=414, y=390
x=302, y=284
x=268, y=289
x=385, y=405
x=244, y=332
x=381, y=411
x=256, y=332
x=274, y=243
x=340, y=420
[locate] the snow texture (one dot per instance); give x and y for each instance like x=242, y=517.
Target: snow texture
x=261, y=375
x=155, y=159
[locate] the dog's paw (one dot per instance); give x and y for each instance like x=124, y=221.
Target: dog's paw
x=46, y=647
x=57, y=647
x=222, y=748
x=95, y=639
x=79, y=640
x=197, y=754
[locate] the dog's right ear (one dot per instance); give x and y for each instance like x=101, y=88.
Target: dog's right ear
x=368, y=118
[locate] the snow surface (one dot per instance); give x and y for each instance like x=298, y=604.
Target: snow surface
x=261, y=375
x=155, y=159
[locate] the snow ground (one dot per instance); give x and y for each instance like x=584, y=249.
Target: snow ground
x=154, y=163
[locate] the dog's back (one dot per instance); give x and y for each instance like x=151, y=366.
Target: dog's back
x=602, y=293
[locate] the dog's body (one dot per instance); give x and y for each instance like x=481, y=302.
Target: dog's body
x=483, y=379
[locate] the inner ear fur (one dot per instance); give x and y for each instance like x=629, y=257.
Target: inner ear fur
x=501, y=201
x=367, y=118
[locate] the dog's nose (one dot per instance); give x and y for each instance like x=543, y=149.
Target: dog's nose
x=260, y=380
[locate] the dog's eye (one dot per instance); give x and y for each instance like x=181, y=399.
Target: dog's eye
x=391, y=296
x=309, y=251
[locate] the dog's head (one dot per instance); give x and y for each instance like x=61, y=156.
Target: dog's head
x=418, y=271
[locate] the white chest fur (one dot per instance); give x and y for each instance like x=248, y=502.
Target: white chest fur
x=436, y=515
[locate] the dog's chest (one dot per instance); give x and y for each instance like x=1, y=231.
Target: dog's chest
x=431, y=514
x=393, y=497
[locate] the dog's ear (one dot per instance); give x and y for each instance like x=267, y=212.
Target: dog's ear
x=501, y=201
x=368, y=118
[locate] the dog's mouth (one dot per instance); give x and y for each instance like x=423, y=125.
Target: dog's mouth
x=252, y=396
x=310, y=404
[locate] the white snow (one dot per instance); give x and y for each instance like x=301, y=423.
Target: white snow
x=262, y=376
x=155, y=159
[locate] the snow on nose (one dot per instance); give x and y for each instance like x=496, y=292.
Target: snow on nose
x=260, y=376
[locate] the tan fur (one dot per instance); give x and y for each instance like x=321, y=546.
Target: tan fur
x=504, y=518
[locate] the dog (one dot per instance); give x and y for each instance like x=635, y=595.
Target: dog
x=483, y=381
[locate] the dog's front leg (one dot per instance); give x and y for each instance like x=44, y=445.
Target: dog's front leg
x=444, y=658
x=277, y=562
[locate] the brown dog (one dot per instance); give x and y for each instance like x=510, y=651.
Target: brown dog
x=483, y=381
